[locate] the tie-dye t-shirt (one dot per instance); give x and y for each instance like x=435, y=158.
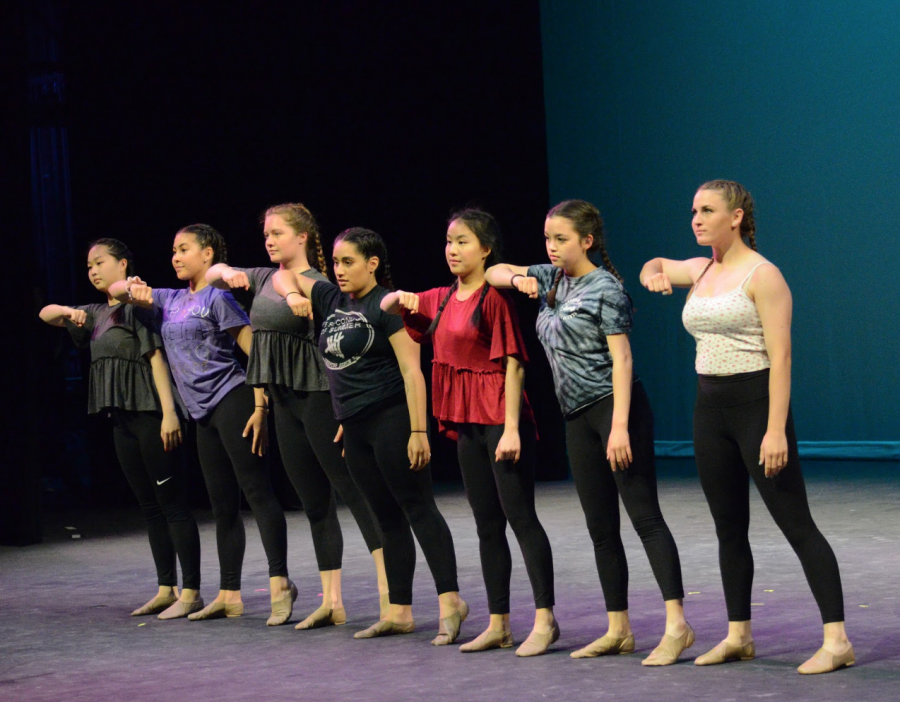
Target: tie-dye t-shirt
x=201, y=351
x=588, y=309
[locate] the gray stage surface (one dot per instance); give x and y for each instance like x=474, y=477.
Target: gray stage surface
x=65, y=633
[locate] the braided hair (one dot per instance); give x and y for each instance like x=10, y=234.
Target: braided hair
x=301, y=220
x=485, y=228
x=118, y=251
x=208, y=237
x=586, y=221
x=736, y=196
x=370, y=244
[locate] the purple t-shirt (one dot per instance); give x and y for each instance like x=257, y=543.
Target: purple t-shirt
x=201, y=356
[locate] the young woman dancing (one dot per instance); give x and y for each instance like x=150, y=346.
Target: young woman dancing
x=583, y=324
x=739, y=311
x=199, y=327
x=378, y=394
x=129, y=379
x=284, y=359
x=478, y=400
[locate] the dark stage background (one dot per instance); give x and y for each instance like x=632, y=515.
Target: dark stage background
x=385, y=115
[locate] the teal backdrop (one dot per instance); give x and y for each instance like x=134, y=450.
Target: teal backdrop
x=800, y=102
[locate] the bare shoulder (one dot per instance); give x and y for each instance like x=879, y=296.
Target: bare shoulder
x=767, y=281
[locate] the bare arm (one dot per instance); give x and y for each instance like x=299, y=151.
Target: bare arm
x=132, y=291
x=296, y=290
x=170, y=430
x=662, y=274
x=618, y=449
x=398, y=300
x=773, y=301
x=509, y=448
x=503, y=275
x=408, y=355
x=56, y=315
x=224, y=277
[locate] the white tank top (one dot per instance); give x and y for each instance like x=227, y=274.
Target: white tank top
x=728, y=331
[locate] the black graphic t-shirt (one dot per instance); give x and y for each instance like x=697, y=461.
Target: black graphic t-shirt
x=355, y=344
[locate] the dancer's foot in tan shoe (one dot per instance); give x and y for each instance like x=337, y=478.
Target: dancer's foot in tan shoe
x=836, y=652
x=188, y=603
x=227, y=604
x=497, y=635
x=544, y=634
x=166, y=597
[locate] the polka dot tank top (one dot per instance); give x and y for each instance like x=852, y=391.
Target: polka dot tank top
x=728, y=331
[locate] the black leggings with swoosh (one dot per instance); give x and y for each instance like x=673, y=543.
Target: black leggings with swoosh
x=158, y=480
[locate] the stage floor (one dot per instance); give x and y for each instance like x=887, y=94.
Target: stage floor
x=65, y=633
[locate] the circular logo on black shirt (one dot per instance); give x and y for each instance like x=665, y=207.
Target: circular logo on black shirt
x=346, y=337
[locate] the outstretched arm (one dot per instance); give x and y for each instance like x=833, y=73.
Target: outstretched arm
x=398, y=300
x=662, y=274
x=504, y=275
x=132, y=291
x=56, y=315
x=408, y=356
x=296, y=290
x=224, y=277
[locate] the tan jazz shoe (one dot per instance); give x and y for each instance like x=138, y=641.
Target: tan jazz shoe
x=324, y=616
x=155, y=606
x=385, y=627
x=825, y=661
x=488, y=640
x=283, y=607
x=606, y=646
x=537, y=644
x=448, y=629
x=725, y=652
x=218, y=610
x=181, y=609
x=670, y=648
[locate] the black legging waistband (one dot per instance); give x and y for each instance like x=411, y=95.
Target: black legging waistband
x=732, y=390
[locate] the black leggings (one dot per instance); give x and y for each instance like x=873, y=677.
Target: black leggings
x=599, y=487
x=306, y=429
x=158, y=480
x=730, y=421
x=229, y=466
x=401, y=498
x=499, y=492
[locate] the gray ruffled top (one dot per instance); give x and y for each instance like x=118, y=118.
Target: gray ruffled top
x=119, y=338
x=284, y=351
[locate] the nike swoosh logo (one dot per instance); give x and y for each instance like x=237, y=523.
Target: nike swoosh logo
x=160, y=482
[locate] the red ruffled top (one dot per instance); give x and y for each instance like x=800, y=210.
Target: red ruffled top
x=468, y=380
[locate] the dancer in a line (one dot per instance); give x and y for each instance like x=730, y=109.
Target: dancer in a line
x=199, y=327
x=478, y=399
x=284, y=359
x=739, y=311
x=378, y=393
x=129, y=379
x=583, y=324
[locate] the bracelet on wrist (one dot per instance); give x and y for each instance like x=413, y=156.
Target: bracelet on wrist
x=512, y=280
x=263, y=408
x=292, y=292
x=418, y=431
